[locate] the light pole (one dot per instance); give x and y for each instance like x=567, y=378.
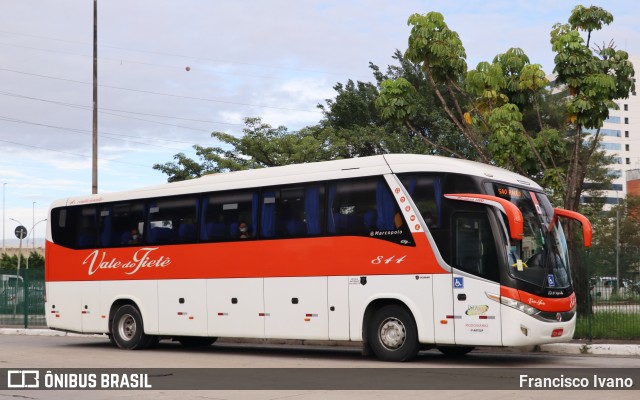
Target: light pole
x=20, y=235
x=33, y=222
x=4, y=250
x=617, y=243
x=94, y=155
x=32, y=229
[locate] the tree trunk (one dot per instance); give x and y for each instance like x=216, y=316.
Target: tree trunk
x=579, y=269
x=575, y=179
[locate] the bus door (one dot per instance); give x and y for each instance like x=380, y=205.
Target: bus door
x=475, y=277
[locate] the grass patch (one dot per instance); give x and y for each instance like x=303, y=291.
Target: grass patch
x=609, y=325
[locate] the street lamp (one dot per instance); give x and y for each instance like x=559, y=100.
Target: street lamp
x=34, y=235
x=33, y=222
x=617, y=243
x=15, y=305
x=4, y=250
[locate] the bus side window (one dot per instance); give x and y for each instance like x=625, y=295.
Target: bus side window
x=426, y=192
x=365, y=207
x=126, y=218
x=172, y=220
x=222, y=214
x=86, y=227
x=351, y=204
x=292, y=211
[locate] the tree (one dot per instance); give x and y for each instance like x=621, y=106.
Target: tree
x=8, y=264
x=498, y=107
x=351, y=127
x=260, y=146
x=594, y=79
x=487, y=105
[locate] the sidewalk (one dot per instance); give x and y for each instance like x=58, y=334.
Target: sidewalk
x=576, y=347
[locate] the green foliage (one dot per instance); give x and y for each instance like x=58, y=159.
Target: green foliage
x=352, y=127
x=352, y=106
x=594, y=80
x=260, y=146
x=624, y=217
x=9, y=264
x=433, y=44
x=397, y=99
x=609, y=325
x=589, y=19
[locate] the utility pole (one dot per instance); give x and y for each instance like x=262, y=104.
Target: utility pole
x=94, y=158
x=33, y=222
x=3, y=217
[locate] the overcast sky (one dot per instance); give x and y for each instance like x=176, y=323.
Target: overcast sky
x=271, y=59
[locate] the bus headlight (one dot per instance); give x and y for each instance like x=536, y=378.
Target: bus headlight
x=527, y=309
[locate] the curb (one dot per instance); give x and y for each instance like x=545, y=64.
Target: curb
x=44, y=332
x=628, y=350
x=592, y=349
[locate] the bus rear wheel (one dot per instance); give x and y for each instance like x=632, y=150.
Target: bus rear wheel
x=127, y=329
x=393, y=335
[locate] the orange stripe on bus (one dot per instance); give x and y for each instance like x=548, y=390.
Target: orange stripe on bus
x=325, y=256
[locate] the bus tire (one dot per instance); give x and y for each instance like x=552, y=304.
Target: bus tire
x=393, y=335
x=196, y=341
x=127, y=329
x=455, y=351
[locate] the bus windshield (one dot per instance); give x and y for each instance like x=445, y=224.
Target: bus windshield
x=541, y=257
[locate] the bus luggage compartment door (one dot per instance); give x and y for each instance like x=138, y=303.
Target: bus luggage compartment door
x=182, y=307
x=296, y=308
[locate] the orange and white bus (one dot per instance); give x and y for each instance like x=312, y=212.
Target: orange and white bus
x=401, y=252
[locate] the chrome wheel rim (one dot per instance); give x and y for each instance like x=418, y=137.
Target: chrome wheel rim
x=392, y=333
x=127, y=327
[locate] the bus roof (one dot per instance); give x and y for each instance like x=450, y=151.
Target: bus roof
x=317, y=171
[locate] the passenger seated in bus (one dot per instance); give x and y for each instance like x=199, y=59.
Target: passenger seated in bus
x=243, y=230
x=136, y=238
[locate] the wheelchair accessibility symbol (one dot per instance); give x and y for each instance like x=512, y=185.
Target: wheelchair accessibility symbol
x=458, y=282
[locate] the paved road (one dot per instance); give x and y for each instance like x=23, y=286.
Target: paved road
x=86, y=352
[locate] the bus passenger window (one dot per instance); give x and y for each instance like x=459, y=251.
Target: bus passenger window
x=172, y=221
x=365, y=207
x=292, y=211
x=126, y=218
x=222, y=214
x=85, y=232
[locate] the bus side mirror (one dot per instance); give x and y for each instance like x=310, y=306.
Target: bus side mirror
x=514, y=215
x=587, y=230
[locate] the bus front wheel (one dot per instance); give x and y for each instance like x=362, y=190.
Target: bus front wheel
x=127, y=329
x=393, y=335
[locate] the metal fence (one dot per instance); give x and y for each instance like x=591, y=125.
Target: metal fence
x=615, y=308
x=22, y=299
